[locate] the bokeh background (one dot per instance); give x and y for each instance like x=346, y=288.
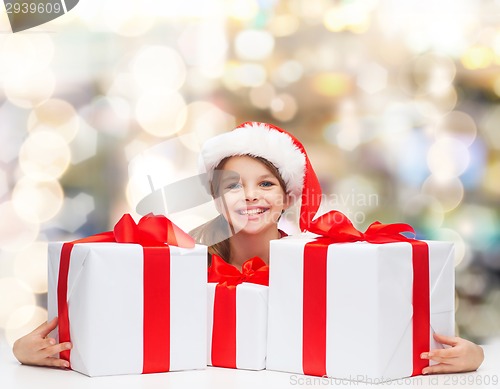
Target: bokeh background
x=395, y=101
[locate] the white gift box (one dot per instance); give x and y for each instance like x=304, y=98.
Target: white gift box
x=251, y=325
x=106, y=305
x=369, y=307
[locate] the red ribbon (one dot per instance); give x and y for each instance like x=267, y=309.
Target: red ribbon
x=155, y=234
x=335, y=227
x=228, y=277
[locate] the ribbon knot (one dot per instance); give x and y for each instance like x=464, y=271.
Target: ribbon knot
x=152, y=230
x=253, y=270
x=335, y=226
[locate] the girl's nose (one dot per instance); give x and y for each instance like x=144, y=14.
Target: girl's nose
x=250, y=194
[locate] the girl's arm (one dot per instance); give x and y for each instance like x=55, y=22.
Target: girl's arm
x=462, y=356
x=36, y=348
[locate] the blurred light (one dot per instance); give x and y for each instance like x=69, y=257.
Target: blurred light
x=435, y=106
x=472, y=176
x=283, y=107
x=29, y=90
x=37, y=201
x=489, y=127
x=242, y=10
x=476, y=224
x=12, y=119
x=55, y=115
x=13, y=294
x=449, y=193
x=75, y=211
x=420, y=24
x=462, y=251
x=332, y=84
x=136, y=146
x=24, y=320
x=30, y=266
x=261, y=96
x=4, y=22
x=348, y=139
x=22, y=55
x=428, y=74
x=423, y=209
x=496, y=86
x=346, y=133
x=477, y=57
x=284, y=25
x=110, y=115
x=84, y=146
x=348, y=16
x=44, y=156
x=288, y=72
x=204, y=120
x=355, y=194
x=15, y=232
x=161, y=112
x=405, y=152
x=198, y=9
x=4, y=184
x=372, y=78
x=205, y=46
x=123, y=85
x=447, y=158
x=158, y=67
x=254, y=45
x=491, y=183
x=433, y=73
x=249, y=74
x=129, y=18
x=198, y=84
x=458, y=125
x=157, y=168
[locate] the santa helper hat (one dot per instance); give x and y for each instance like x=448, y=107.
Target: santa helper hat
x=280, y=148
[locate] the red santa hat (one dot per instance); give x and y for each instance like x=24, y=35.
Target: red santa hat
x=277, y=146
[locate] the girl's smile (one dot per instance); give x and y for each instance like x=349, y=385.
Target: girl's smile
x=252, y=211
x=254, y=199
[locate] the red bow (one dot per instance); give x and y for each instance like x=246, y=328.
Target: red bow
x=339, y=229
x=335, y=227
x=227, y=276
x=253, y=270
x=151, y=231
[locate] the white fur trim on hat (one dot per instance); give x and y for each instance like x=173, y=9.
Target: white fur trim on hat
x=258, y=139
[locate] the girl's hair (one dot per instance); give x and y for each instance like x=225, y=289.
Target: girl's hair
x=218, y=229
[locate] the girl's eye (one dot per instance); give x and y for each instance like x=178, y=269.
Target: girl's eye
x=267, y=184
x=234, y=185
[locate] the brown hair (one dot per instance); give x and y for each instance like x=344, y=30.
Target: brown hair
x=218, y=229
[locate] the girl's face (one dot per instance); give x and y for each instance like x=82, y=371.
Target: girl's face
x=253, y=198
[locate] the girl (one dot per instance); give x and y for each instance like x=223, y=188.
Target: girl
x=256, y=172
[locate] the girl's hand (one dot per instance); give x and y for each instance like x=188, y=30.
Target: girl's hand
x=36, y=349
x=462, y=356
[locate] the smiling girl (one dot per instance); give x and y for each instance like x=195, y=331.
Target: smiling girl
x=256, y=172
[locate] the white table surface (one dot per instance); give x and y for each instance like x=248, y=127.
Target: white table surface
x=16, y=376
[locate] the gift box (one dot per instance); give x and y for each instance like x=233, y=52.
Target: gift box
x=128, y=302
x=358, y=310
x=237, y=314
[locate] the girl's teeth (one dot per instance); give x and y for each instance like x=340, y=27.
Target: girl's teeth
x=252, y=211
